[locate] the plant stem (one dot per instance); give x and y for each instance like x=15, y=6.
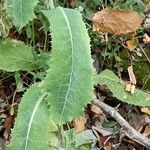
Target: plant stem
x=33, y=34
x=51, y=4
x=129, y=131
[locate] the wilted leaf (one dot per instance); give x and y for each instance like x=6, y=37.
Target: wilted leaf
x=131, y=44
x=116, y=21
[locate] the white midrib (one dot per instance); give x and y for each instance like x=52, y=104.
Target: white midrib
x=72, y=45
x=32, y=117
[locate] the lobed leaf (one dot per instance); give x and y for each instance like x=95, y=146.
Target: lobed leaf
x=16, y=56
x=69, y=79
x=21, y=11
x=108, y=78
x=31, y=126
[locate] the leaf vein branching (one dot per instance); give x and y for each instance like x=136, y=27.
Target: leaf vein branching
x=32, y=117
x=70, y=79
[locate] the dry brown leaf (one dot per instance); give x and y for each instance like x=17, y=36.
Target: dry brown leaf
x=131, y=44
x=72, y=3
x=131, y=75
x=146, y=38
x=116, y=21
x=96, y=109
x=147, y=131
x=145, y=110
x=147, y=3
x=79, y=123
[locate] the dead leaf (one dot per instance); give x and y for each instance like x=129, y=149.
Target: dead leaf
x=147, y=3
x=131, y=44
x=72, y=3
x=96, y=109
x=7, y=125
x=147, y=131
x=108, y=147
x=131, y=75
x=104, y=131
x=116, y=21
x=2, y=144
x=146, y=38
x=145, y=110
x=79, y=123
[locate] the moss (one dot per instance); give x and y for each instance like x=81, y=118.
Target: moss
x=141, y=68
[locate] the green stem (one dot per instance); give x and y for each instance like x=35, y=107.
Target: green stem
x=33, y=34
x=45, y=42
x=51, y=4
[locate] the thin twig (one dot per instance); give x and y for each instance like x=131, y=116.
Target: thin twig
x=129, y=131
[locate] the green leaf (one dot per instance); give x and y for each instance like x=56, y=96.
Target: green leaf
x=85, y=137
x=31, y=126
x=108, y=78
x=69, y=79
x=16, y=56
x=21, y=11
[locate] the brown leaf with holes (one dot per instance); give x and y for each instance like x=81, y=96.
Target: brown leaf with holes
x=131, y=44
x=79, y=123
x=116, y=21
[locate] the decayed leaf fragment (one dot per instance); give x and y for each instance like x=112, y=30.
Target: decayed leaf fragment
x=131, y=75
x=116, y=21
x=131, y=44
x=130, y=87
x=96, y=109
x=79, y=123
x=146, y=38
x=145, y=110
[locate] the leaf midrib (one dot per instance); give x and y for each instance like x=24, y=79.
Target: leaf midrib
x=32, y=117
x=70, y=79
